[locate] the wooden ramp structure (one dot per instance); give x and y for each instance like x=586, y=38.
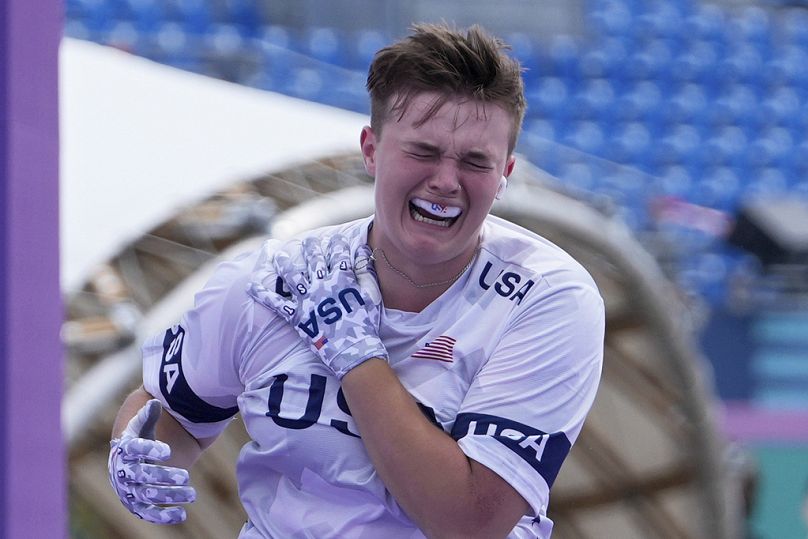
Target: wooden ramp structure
x=650, y=461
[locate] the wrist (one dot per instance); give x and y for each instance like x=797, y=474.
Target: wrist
x=354, y=356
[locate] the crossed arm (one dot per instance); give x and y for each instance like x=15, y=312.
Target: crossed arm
x=443, y=491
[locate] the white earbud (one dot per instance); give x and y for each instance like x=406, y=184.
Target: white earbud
x=503, y=184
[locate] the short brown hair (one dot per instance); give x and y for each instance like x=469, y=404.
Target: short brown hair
x=436, y=58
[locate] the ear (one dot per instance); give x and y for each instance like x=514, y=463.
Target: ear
x=509, y=164
x=367, y=142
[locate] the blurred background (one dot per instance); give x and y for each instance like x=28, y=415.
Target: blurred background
x=684, y=121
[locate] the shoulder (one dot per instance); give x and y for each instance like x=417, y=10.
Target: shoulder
x=532, y=271
x=538, y=257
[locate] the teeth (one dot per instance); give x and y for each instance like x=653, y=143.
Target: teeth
x=438, y=210
x=420, y=218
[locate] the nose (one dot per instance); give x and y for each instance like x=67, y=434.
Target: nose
x=445, y=180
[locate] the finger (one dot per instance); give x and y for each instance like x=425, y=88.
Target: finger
x=153, y=410
x=264, y=271
x=290, y=270
x=159, y=515
x=366, y=273
x=315, y=259
x=145, y=418
x=164, y=494
x=130, y=473
x=339, y=254
x=132, y=449
x=285, y=308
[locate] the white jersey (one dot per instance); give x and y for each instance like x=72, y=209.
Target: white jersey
x=507, y=361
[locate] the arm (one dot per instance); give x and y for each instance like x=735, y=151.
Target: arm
x=443, y=491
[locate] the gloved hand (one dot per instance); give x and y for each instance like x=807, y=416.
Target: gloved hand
x=328, y=307
x=141, y=485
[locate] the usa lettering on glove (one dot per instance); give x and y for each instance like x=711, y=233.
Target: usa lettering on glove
x=328, y=307
x=150, y=491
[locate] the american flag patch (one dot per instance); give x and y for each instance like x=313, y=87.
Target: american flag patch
x=319, y=343
x=440, y=349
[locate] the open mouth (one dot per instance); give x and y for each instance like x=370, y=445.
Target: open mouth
x=433, y=213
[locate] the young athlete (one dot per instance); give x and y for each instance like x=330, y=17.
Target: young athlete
x=420, y=372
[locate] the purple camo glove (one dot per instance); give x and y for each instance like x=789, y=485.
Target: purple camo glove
x=141, y=485
x=332, y=307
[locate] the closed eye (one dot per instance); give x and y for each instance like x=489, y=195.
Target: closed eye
x=477, y=166
x=418, y=155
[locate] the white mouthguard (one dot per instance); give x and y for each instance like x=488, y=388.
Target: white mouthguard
x=436, y=209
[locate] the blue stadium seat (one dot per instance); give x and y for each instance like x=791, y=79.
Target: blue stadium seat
x=800, y=189
x=610, y=18
x=726, y=147
x=277, y=36
x=147, y=15
x=683, y=145
x=195, y=16
x=752, y=26
x=630, y=145
x=765, y=182
x=540, y=128
x=179, y=48
x=305, y=83
x=325, y=44
x=550, y=99
x=563, y=55
x=706, y=22
x=595, y=101
x=662, y=21
x=224, y=40
x=364, y=45
x=696, y=63
x=348, y=91
x=720, y=188
x=795, y=164
x=640, y=103
x=686, y=106
x=651, y=62
x=743, y=65
x=244, y=14
x=795, y=28
x=738, y=105
x=586, y=136
x=604, y=61
x=788, y=67
x=782, y=106
x=124, y=36
x=97, y=16
x=771, y=148
x=674, y=180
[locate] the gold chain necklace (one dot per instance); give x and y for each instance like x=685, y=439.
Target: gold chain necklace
x=426, y=285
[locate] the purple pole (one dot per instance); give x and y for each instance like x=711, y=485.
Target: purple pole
x=32, y=458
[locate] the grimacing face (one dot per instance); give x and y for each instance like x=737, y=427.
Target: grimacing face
x=436, y=182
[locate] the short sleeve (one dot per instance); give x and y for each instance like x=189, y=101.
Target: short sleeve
x=528, y=402
x=193, y=367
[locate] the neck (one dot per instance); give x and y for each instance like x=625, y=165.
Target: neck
x=414, y=286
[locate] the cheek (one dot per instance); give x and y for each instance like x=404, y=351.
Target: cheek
x=389, y=195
